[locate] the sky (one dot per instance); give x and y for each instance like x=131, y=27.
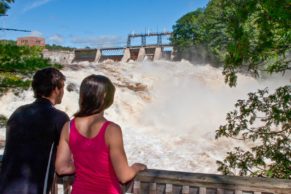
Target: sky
x=93, y=23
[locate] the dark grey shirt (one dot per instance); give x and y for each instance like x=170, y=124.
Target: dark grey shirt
x=31, y=131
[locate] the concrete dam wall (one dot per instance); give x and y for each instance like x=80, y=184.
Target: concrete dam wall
x=112, y=54
x=161, y=49
x=123, y=54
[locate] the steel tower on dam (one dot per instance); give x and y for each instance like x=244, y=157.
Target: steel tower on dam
x=139, y=47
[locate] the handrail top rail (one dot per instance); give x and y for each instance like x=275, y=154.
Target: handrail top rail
x=156, y=175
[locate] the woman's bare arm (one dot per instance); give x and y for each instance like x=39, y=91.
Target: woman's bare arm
x=123, y=171
x=64, y=163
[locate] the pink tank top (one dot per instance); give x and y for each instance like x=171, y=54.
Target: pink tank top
x=94, y=170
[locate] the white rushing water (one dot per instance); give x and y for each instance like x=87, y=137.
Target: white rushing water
x=168, y=111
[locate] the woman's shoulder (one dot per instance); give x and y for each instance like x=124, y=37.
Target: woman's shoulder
x=113, y=129
x=113, y=126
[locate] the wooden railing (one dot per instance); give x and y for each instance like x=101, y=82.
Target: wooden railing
x=172, y=182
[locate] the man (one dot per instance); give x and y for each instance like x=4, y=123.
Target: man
x=32, y=135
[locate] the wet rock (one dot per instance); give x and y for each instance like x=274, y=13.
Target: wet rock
x=71, y=87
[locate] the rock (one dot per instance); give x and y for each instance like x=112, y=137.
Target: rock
x=72, y=87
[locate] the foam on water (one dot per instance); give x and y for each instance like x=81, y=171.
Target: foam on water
x=168, y=111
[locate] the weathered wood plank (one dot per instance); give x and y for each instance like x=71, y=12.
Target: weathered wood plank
x=229, y=191
x=194, y=190
x=136, y=187
x=177, y=189
x=169, y=189
x=161, y=188
x=67, y=188
x=217, y=181
x=153, y=188
x=202, y=190
x=211, y=191
x=220, y=191
x=185, y=190
x=144, y=188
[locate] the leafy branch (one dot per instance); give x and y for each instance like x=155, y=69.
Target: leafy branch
x=265, y=120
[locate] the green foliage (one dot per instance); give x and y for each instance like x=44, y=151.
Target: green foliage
x=254, y=37
x=55, y=47
x=4, y=5
x=188, y=29
x=11, y=42
x=265, y=120
x=259, y=37
x=201, y=31
x=17, y=65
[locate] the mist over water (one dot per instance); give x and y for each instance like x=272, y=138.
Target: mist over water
x=168, y=111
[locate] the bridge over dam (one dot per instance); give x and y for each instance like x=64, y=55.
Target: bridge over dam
x=156, y=49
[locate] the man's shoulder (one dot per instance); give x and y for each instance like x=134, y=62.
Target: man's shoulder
x=23, y=108
x=60, y=115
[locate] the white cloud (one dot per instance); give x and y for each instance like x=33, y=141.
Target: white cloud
x=36, y=33
x=56, y=39
x=98, y=41
x=36, y=4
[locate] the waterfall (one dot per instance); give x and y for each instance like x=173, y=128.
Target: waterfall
x=168, y=111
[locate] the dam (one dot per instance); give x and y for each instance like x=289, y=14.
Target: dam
x=150, y=46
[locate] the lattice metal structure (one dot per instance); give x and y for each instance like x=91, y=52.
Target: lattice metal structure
x=144, y=39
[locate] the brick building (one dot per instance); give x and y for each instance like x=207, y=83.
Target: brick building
x=31, y=41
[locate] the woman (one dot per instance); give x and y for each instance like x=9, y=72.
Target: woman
x=92, y=147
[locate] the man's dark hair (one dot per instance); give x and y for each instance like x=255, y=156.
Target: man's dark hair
x=46, y=80
x=96, y=94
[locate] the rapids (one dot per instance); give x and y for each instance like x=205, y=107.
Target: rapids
x=168, y=111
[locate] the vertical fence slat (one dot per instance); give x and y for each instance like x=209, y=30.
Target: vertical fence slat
x=144, y=187
x=136, y=187
x=66, y=185
x=54, y=188
x=185, y=190
x=128, y=187
x=161, y=188
x=177, y=189
x=153, y=188
x=211, y=190
x=169, y=189
x=220, y=191
x=202, y=190
x=194, y=190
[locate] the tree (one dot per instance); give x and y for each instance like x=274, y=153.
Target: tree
x=201, y=31
x=17, y=64
x=252, y=37
x=259, y=40
x=265, y=120
x=190, y=38
x=259, y=37
x=55, y=47
x=4, y=5
x=188, y=30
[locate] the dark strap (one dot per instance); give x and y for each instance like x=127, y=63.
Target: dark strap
x=48, y=169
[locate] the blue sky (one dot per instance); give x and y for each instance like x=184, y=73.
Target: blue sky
x=93, y=23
